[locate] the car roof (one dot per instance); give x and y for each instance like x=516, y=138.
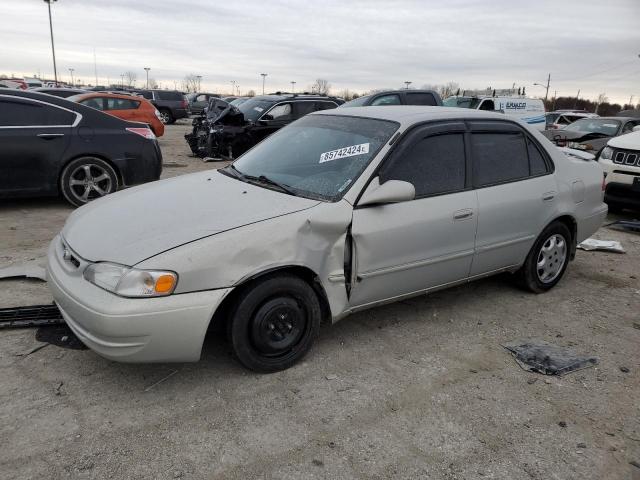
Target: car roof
x=43, y=97
x=123, y=96
x=277, y=97
x=409, y=114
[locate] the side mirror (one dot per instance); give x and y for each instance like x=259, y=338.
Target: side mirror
x=266, y=117
x=636, y=128
x=391, y=191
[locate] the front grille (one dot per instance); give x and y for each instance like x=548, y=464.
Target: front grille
x=630, y=158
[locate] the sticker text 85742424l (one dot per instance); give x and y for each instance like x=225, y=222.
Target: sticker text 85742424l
x=344, y=152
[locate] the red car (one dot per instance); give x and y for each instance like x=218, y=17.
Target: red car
x=127, y=107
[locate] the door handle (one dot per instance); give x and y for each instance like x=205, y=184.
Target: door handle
x=462, y=214
x=49, y=136
x=548, y=196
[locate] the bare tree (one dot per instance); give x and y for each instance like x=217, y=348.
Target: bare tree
x=251, y=93
x=321, y=86
x=130, y=78
x=153, y=83
x=602, y=98
x=191, y=83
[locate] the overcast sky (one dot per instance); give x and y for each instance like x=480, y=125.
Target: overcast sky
x=588, y=45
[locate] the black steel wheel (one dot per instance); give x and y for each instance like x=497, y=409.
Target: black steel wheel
x=274, y=323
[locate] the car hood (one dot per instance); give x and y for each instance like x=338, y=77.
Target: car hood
x=138, y=223
x=629, y=141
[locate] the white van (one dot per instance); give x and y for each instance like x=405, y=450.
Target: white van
x=528, y=110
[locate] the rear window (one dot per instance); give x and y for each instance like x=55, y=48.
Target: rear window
x=499, y=158
x=171, y=96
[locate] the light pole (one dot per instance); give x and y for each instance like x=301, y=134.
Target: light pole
x=71, y=72
x=238, y=88
x=546, y=95
x=147, y=70
x=53, y=48
x=407, y=83
x=233, y=87
x=293, y=87
x=122, y=77
x=264, y=75
x=199, y=77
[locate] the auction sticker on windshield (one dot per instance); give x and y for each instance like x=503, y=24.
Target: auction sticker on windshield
x=344, y=152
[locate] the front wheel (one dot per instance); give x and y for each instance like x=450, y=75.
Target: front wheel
x=87, y=178
x=274, y=323
x=548, y=259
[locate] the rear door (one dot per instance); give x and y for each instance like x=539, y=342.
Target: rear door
x=516, y=193
x=407, y=247
x=34, y=136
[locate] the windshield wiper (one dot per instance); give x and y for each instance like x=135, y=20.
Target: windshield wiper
x=268, y=181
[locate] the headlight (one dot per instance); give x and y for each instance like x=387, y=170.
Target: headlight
x=607, y=153
x=217, y=128
x=580, y=146
x=131, y=282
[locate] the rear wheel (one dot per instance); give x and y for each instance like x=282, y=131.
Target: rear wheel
x=274, y=323
x=548, y=259
x=87, y=178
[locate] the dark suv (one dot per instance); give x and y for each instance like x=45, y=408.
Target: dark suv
x=398, y=97
x=238, y=128
x=171, y=104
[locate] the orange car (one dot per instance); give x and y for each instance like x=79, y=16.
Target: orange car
x=127, y=107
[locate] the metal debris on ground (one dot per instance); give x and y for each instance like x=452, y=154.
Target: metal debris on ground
x=30, y=269
x=31, y=316
x=632, y=225
x=60, y=336
x=605, y=245
x=542, y=357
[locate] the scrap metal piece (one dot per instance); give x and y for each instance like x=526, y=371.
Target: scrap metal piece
x=31, y=316
x=27, y=269
x=605, y=245
x=547, y=359
x=626, y=225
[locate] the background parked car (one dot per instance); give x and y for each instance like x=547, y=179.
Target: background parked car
x=14, y=83
x=397, y=97
x=558, y=120
x=171, y=104
x=620, y=160
x=127, y=107
x=198, y=101
x=51, y=146
x=60, y=91
x=591, y=134
x=237, y=129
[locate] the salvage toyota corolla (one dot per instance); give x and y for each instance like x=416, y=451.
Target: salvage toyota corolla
x=339, y=211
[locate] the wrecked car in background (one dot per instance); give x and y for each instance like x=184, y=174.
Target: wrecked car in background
x=591, y=134
x=340, y=211
x=621, y=162
x=242, y=125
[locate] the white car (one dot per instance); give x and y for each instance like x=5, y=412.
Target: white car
x=620, y=160
x=559, y=120
x=340, y=211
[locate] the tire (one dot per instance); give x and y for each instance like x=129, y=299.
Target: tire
x=166, y=117
x=548, y=259
x=274, y=323
x=87, y=178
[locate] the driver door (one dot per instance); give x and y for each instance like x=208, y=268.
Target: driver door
x=411, y=246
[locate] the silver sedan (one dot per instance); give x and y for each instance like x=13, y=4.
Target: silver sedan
x=340, y=211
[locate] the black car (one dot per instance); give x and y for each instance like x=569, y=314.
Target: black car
x=199, y=101
x=171, y=104
x=238, y=128
x=51, y=146
x=398, y=97
x=59, y=92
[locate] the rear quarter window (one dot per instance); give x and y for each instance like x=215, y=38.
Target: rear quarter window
x=16, y=113
x=170, y=96
x=421, y=99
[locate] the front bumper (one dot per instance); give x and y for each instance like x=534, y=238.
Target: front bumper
x=163, y=329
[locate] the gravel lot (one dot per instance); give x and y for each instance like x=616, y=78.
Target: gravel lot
x=418, y=389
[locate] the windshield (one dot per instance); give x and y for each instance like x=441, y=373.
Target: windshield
x=594, y=125
x=318, y=156
x=252, y=109
x=462, y=102
x=238, y=101
x=356, y=102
